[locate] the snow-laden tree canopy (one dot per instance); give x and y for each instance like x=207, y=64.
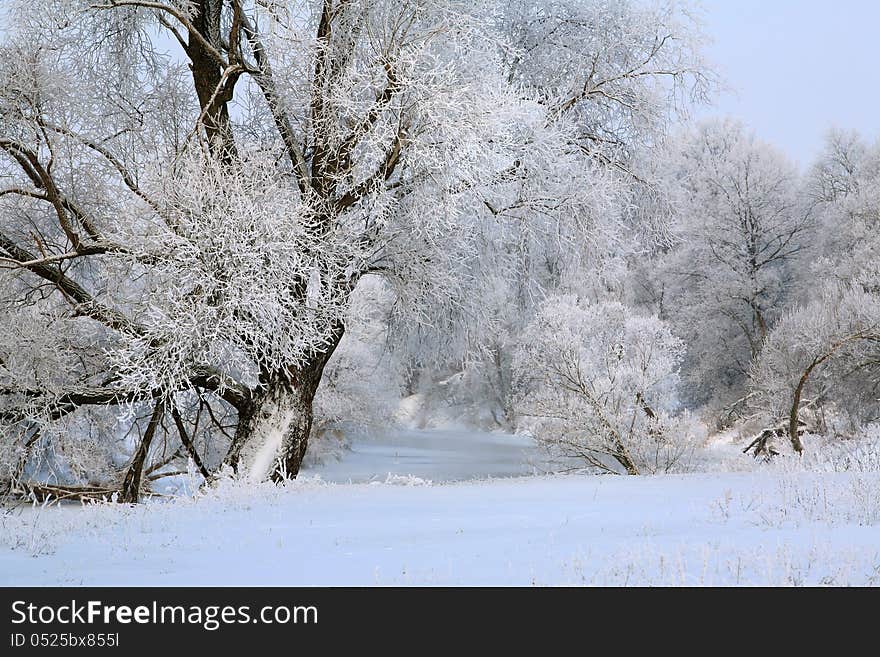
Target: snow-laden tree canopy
x=192, y=191
x=825, y=352
x=740, y=225
x=211, y=209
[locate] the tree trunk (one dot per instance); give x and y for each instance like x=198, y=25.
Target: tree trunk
x=295, y=439
x=131, y=485
x=793, y=419
x=622, y=456
x=213, y=87
x=273, y=429
x=798, y=391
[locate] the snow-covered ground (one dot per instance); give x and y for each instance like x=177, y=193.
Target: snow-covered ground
x=768, y=527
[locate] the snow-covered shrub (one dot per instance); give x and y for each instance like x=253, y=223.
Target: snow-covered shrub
x=404, y=480
x=599, y=384
x=858, y=452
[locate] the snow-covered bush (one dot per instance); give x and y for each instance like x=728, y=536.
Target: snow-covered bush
x=599, y=384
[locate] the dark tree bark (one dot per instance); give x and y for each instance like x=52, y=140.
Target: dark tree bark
x=623, y=457
x=284, y=404
x=793, y=419
x=131, y=485
x=213, y=78
x=188, y=443
x=793, y=414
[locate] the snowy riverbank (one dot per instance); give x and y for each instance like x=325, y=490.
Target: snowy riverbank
x=767, y=527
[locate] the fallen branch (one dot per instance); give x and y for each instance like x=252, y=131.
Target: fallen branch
x=60, y=493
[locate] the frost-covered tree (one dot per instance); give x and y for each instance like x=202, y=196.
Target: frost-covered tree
x=844, y=185
x=623, y=70
x=739, y=224
x=598, y=384
x=611, y=76
x=186, y=216
x=826, y=351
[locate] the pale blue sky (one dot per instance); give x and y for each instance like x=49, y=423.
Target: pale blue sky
x=797, y=67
